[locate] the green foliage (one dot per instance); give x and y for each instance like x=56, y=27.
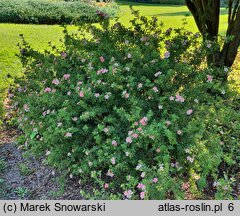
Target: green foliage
x=24, y=169
x=51, y=12
x=131, y=108
x=2, y=165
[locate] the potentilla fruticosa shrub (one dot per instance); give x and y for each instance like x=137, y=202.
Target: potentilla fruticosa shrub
x=132, y=110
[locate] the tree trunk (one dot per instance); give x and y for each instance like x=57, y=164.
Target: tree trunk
x=206, y=14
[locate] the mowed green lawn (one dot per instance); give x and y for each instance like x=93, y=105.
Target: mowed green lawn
x=39, y=35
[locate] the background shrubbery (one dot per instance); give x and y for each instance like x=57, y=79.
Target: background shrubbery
x=51, y=12
x=134, y=110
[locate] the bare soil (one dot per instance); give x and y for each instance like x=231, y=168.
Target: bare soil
x=28, y=178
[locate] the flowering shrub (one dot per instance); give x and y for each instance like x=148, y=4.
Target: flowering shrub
x=133, y=109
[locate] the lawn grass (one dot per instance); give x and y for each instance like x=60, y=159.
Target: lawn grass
x=39, y=35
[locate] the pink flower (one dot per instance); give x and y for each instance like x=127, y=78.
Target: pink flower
x=143, y=121
x=171, y=98
x=114, y=143
x=126, y=95
x=135, y=135
x=139, y=129
x=66, y=76
x=209, y=78
x=55, y=81
x=75, y=119
x=128, y=194
x=110, y=173
x=179, y=132
x=64, y=55
x=68, y=93
x=97, y=94
x=102, y=71
x=140, y=85
x=113, y=160
x=81, y=94
x=26, y=108
x=106, y=130
x=167, y=54
x=179, y=98
x=47, y=90
x=155, y=89
x=106, y=185
x=141, y=186
x=155, y=180
x=79, y=83
x=129, y=140
x=101, y=58
x=143, y=174
x=189, y=112
x=68, y=134
x=142, y=195
x=168, y=123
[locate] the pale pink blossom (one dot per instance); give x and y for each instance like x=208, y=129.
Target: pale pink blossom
x=128, y=194
x=179, y=98
x=140, y=85
x=47, y=90
x=155, y=180
x=81, y=94
x=64, y=55
x=68, y=93
x=102, y=71
x=143, y=121
x=126, y=95
x=110, y=173
x=142, y=195
x=171, y=98
x=139, y=129
x=179, y=132
x=113, y=160
x=68, y=134
x=158, y=73
x=135, y=135
x=209, y=78
x=114, y=143
x=168, y=123
x=97, y=94
x=26, y=108
x=167, y=54
x=106, y=185
x=155, y=89
x=79, y=83
x=129, y=140
x=75, y=119
x=101, y=58
x=143, y=174
x=189, y=112
x=66, y=76
x=141, y=186
x=55, y=81
x=106, y=130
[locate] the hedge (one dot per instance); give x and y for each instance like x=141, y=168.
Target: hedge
x=50, y=12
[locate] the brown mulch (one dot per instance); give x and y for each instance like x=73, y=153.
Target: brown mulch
x=39, y=181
